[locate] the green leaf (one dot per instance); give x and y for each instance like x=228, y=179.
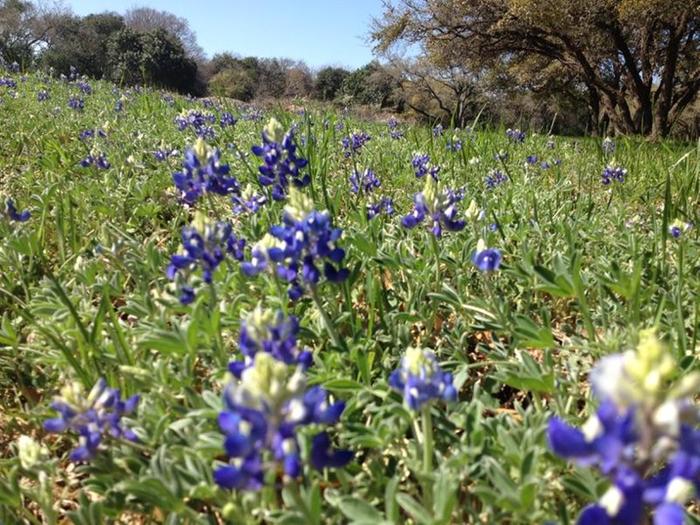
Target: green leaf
x=359, y=510
x=414, y=509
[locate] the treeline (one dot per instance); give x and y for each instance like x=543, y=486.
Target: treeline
x=150, y=47
x=143, y=46
x=449, y=83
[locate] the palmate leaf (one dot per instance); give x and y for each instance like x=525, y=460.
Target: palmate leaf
x=530, y=335
x=527, y=374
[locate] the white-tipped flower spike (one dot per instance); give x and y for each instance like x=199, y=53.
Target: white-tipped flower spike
x=299, y=205
x=473, y=212
x=30, y=452
x=641, y=421
x=201, y=149
x=274, y=131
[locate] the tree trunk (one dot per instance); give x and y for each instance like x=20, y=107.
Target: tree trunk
x=668, y=78
x=594, y=114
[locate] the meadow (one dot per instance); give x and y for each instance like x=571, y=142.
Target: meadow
x=387, y=323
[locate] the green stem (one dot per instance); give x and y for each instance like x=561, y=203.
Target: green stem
x=301, y=504
x=427, y=422
x=330, y=328
x=348, y=302
x=436, y=252
x=679, y=301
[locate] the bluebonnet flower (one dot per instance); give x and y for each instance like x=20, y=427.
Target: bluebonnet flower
x=353, y=144
x=501, y=156
x=385, y=204
x=495, y=178
x=613, y=174
x=73, y=73
x=160, y=155
x=422, y=166
x=531, y=159
x=339, y=125
x=643, y=436
x=515, y=135
x=678, y=228
x=203, y=173
x=119, y=105
x=248, y=201
x=8, y=82
x=84, y=87
x=253, y=114
x=439, y=207
x=13, y=214
x=281, y=163
x=394, y=131
x=90, y=133
x=608, y=146
x=293, y=250
x=454, y=144
x=227, y=119
x=204, y=245
x=264, y=330
x=14, y=67
x=199, y=122
x=92, y=417
x=76, y=103
x=544, y=165
x=99, y=160
x=366, y=181
x=551, y=144
x=42, y=95
x=420, y=379
x=264, y=411
x=396, y=134
x=486, y=259
x=438, y=130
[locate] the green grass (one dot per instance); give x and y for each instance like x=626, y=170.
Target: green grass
x=83, y=295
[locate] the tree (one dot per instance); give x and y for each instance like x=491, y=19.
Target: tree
x=81, y=42
x=444, y=93
x=371, y=84
x=146, y=19
x=155, y=57
x=298, y=81
x=329, y=80
x=233, y=82
x=24, y=29
x=638, y=60
x=271, y=78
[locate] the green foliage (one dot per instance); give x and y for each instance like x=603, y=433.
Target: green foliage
x=82, y=43
x=370, y=85
x=154, y=58
x=329, y=81
x=83, y=294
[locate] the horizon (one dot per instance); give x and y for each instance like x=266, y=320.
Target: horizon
x=338, y=29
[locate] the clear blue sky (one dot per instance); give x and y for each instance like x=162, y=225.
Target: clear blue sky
x=321, y=32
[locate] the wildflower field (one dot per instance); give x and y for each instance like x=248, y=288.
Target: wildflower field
x=214, y=314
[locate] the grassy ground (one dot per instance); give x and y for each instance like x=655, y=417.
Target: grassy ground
x=84, y=295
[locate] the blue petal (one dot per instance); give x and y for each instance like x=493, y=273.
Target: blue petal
x=567, y=441
x=669, y=514
x=594, y=515
x=57, y=424
x=229, y=477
